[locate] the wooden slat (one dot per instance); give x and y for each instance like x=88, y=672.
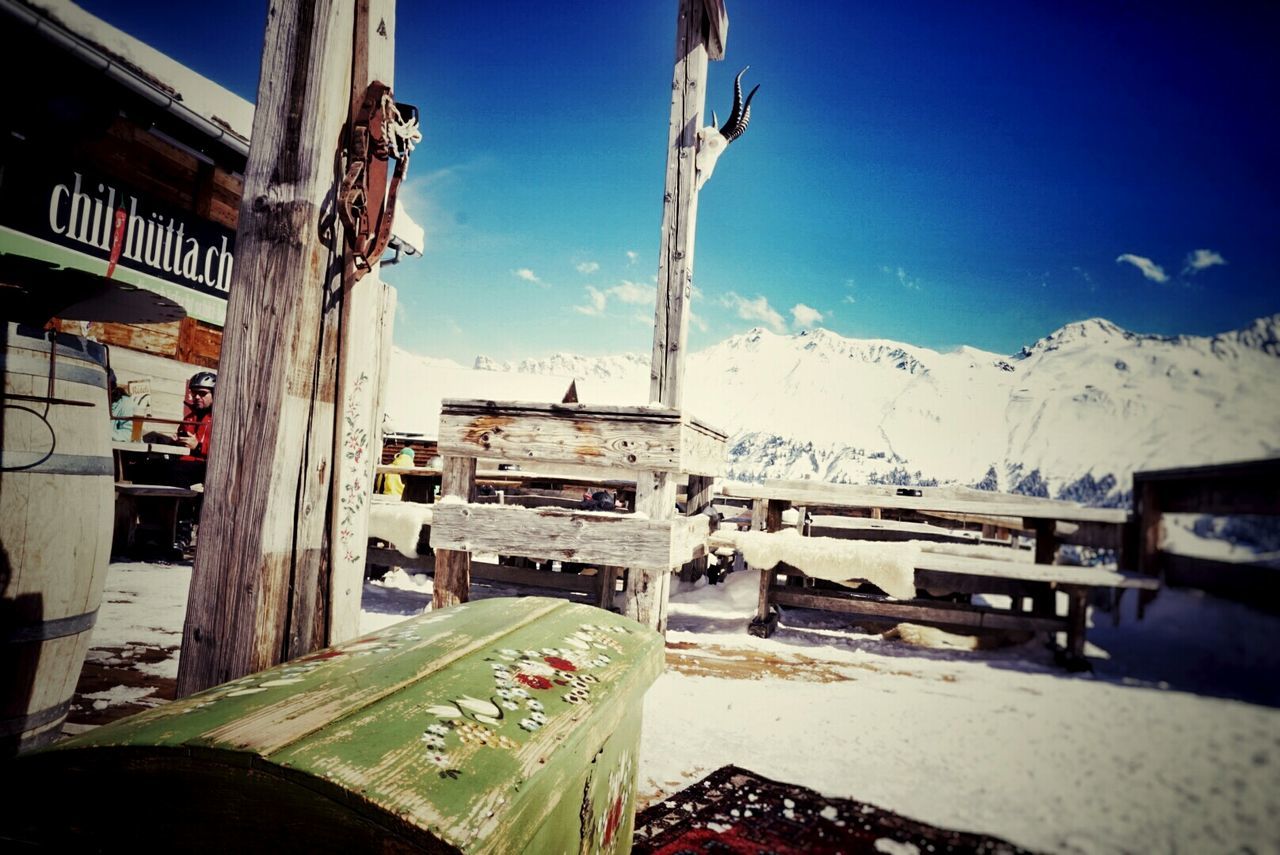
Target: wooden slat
x=486, y=571
x=1255, y=584
x=570, y=435
x=1055, y=573
x=946, y=614
x=841, y=496
x=588, y=537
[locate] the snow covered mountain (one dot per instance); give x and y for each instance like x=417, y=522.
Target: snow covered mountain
x=1071, y=416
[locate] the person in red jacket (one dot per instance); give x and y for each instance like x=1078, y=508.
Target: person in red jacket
x=197, y=418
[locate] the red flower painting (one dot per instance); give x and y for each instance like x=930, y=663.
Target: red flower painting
x=560, y=664
x=534, y=681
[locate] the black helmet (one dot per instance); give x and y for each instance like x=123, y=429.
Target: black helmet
x=203, y=380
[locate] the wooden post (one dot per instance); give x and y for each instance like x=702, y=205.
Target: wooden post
x=452, y=583
x=364, y=336
x=259, y=572
x=646, y=597
x=1045, y=600
x=1149, y=515
x=697, y=499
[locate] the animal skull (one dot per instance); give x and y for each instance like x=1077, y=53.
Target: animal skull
x=712, y=141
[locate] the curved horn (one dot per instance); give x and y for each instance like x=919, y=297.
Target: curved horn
x=741, y=114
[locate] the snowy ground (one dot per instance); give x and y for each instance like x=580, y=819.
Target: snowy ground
x=1172, y=744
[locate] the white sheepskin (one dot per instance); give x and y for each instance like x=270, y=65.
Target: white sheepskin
x=399, y=523
x=891, y=567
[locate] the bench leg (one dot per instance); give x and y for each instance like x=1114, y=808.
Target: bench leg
x=607, y=580
x=765, y=622
x=1072, y=656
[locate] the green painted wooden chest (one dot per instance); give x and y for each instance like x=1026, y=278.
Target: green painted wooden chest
x=507, y=725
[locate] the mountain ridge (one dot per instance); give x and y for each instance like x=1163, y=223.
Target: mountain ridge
x=1073, y=415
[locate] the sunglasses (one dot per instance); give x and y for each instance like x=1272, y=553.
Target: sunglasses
x=201, y=393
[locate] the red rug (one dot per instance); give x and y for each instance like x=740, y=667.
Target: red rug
x=736, y=811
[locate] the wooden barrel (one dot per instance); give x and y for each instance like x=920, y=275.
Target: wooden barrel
x=56, y=480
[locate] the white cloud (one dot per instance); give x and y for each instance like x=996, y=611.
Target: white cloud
x=632, y=292
x=527, y=275
x=754, y=310
x=805, y=316
x=849, y=298
x=1202, y=259
x=587, y=267
x=596, y=301
x=1149, y=268
x=901, y=275
x=632, y=256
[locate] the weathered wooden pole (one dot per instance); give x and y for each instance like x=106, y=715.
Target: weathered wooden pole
x=364, y=337
x=261, y=567
x=696, y=22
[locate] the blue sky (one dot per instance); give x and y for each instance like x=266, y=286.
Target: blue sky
x=935, y=173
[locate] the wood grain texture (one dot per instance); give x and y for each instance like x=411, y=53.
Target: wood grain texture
x=452, y=583
x=338, y=739
x=844, y=496
x=571, y=434
x=55, y=531
x=263, y=532
x=680, y=208
x=552, y=533
x=364, y=333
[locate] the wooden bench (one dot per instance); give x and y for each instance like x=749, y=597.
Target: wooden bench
x=1026, y=583
x=147, y=509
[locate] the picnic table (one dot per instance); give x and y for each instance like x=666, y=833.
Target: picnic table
x=1052, y=522
x=142, y=508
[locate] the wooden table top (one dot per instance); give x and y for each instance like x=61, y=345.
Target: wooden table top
x=930, y=499
x=149, y=447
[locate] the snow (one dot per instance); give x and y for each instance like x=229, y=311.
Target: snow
x=1086, y=402
x=417, y=385
x=889, y=566
x=398, y=523
x=1173, y=743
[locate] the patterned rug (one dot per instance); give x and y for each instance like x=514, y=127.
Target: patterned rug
x=736, y=811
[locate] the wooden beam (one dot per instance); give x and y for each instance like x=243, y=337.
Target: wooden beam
x=258, y=572
x=944, y=614
x=453, y=566
x=680, y=206
x=577, y=435
x=363, y=333
x=986, y=510
x=590, y=537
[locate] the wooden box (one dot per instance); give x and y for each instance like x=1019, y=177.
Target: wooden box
x=508, y=725
x=638, y=439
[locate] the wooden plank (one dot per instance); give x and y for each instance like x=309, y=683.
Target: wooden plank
x=944, y=614
x=570, y=434
x=842, y=496
x=998, y=569
x=258, y=573
x=487, y=571
x=453, y=576
x=1257, y=585
x=363, y=333
x=680, y=206
x=589, y=537
x=701, y=451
